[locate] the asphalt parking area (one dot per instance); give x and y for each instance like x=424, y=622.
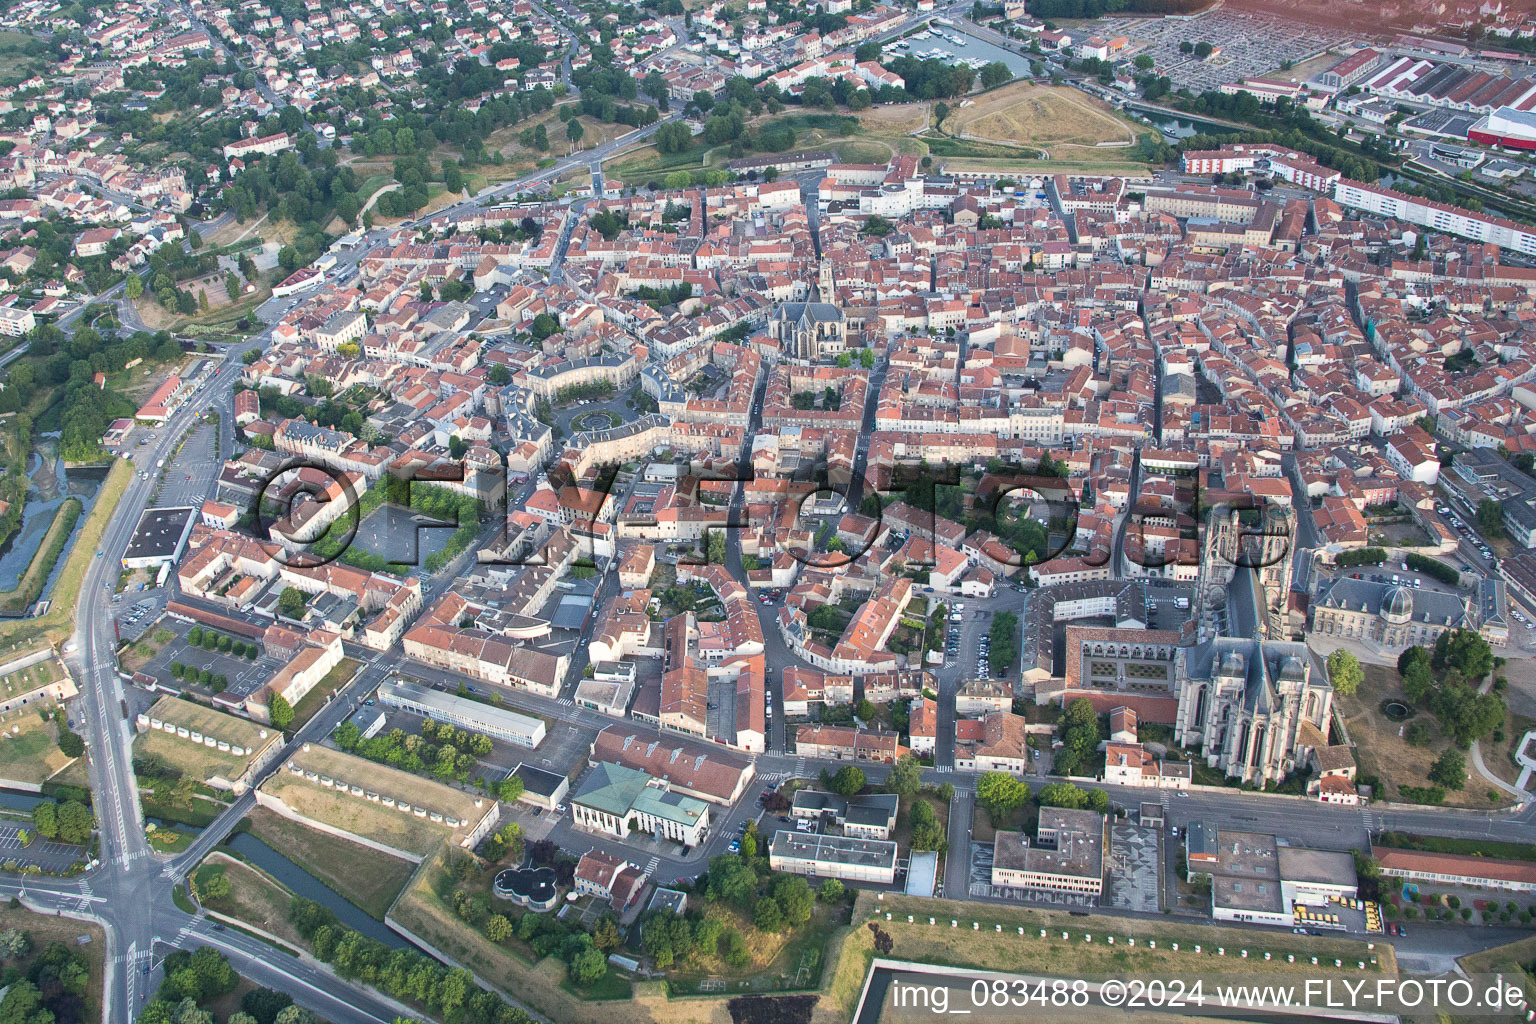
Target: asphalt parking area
x=46, y=854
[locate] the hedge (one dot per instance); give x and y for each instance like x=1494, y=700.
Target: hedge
x=1433, y=567
x=1361, y=556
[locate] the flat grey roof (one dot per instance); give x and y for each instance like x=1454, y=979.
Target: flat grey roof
x=833, y=849
x=537, y=780
x=159, y=532
x=923, y=874
x=456, y=707
x=1329, y=867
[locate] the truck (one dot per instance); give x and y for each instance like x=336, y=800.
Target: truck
x=1181, y=602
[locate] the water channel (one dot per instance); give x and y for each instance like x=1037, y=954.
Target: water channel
x=49, y=484
x=954, y=43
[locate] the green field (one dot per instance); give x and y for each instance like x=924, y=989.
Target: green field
x=56, y=624
x=314, y=700
x=364, y=876
x=29, y=748
x=254, y=896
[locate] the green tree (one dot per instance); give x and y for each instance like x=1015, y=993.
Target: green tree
x=731, y=880
x=1000, y=793
x=135, y=285
x=216, y=888
x=995, y=74
x=768, y=916
x=927, y=833
x=574, y=131
x=794, y=897
x=75, y=823
x=906, y=777
x=849, y=781
x=543, y=326
x=1344, y=673
x=292, y=602
x=70, y=744
x=733, y=948
x=1449, y=770
x=588, y=967
x=1463, y=651
x=1490, y=517
x=45, y=820
x=498, y=929
x=831, y=891
x=605, y=935
x=280, y=711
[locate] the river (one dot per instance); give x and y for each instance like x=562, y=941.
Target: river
x=970, y=48
x=1176, y=128
x=304, y=884
x=48, y=485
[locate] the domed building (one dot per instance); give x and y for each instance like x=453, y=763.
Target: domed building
x=1394, y=616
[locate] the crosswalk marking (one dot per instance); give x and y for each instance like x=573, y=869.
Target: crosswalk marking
x=566, y=702
x=652, y=865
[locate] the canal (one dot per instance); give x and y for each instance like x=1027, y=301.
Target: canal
x=954, y=45
x=49, y=483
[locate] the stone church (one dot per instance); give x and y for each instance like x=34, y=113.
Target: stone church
x=1251, y=708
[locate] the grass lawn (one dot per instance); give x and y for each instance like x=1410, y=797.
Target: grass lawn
x=1059, y=119
x=139, y=653
x=54, y=626
x=201, y=763
x=988, y=949
x=541, y=986
x=46, y=929
x=29, y=746
x=1510, y=961
x=364, y=876
x=314, y=700
x=357, y=816
x=168, y=840
x=780, y=960
x=1022, y=819
x=640, y=165
x=1382, y=751
x=214, y=322
x=254, y=896
x=1499, y=754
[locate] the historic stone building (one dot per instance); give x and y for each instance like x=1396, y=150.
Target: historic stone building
x=1252, y=708
x=1395, y=616
x=809, y=331
x=1255, y=539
